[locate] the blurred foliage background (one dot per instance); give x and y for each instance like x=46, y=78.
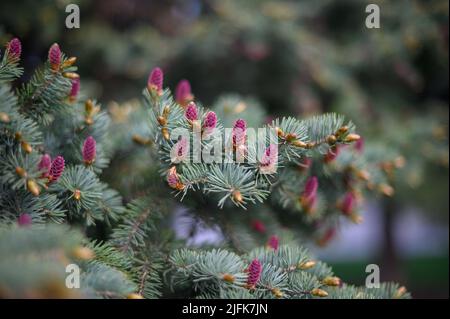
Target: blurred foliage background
x=297, y=58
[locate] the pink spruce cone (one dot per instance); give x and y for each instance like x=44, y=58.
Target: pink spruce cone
x=173, y=180
x=155, y=80
x=89, y=150
x=24, y=220
x=329, y=234
x=191, y=112
x=269, y=160
x=332, y=153
x=348, y=203
x=259, y=226
x=359, y=145
x=180, y=150
x=239, y=130
x=273, y=242
x=210, y=120
x=54, y=56
x=14, y=48
x=74, y=89
x=56, y=169
x=309, y=196
x=254, y=273
x=183, y=94
x=44, y=165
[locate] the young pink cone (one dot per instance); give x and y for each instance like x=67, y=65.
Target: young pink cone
x=348, y=204
x=74, y=90
x=173, y=180
x=239, y=131
x=183, y=94
x=273, y=242
x=155, y=81
x=259, y=226
x=54, y=56
x=44, y=165
x=332, y=153
x=180, y=150
x=56, y=169
x=191, y=112
x=209, y=123
x=14, y=48
x=309, y=196
x=24, y=220
x=89, y=150
x=254, y=273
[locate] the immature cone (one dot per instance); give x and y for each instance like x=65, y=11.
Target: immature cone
x=89, y=150
x=54, y=56
x=347, y=205
x=308, y=198
x=258, y=226
x=332, y=281
x=155, y=81
x=173, y=180
x=74, y=90
x=21, y=171
x=307, y=265
x=327, y=236
x=14, y=49
x=26, y=147
x=24, y=219
x=239, y=130
x=273, y=242
x=56, y=169
x=269, y=159
x=332, y=153
x=191, y=112
x=180, y=151
x=183, y=94
x=352, y=138
x=210, y=120
x=44, y=165
x=254, y=273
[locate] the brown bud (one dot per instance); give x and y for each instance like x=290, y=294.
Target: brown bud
x=228, y=278
x=83, y=253
x=279, y=131
x=386, y=189
x=21, y=172
x=310, y=145
x=77, y=194
x=26, y=147
x=89, y=106
x=162, y=120
x=307, y=265
x=71, y=75
x=363, y=175
x=18, y=136
x=141, y=140
x=299, y=143
x=33, y=187
x=356, y=218
x=319, y=292
x=277, y=292
x=331, y=139
x=4, y=117
x=342, y=130
x=237, y=196
x=134, y=296
x=69, y=62
x=291, y=137
x=165, y=133
x=332, y=281
x=400, y=292
x=352, y=138
x=166, y=111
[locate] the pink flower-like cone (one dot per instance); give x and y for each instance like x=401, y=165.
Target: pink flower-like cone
x=180, y=151
x=191, y=112
x=24, y=220
x=273, y=242
x=74, y=90
x=155, y=81
x=54, y=56
x=259, y=226
x=183, y=94
x=173, y=179
x=44, y=165
x=309, y=195
x=14, y=49
x=254, y=273
x=269, y=160
x=348, y=204
x=89, y=150
x=56, y=169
